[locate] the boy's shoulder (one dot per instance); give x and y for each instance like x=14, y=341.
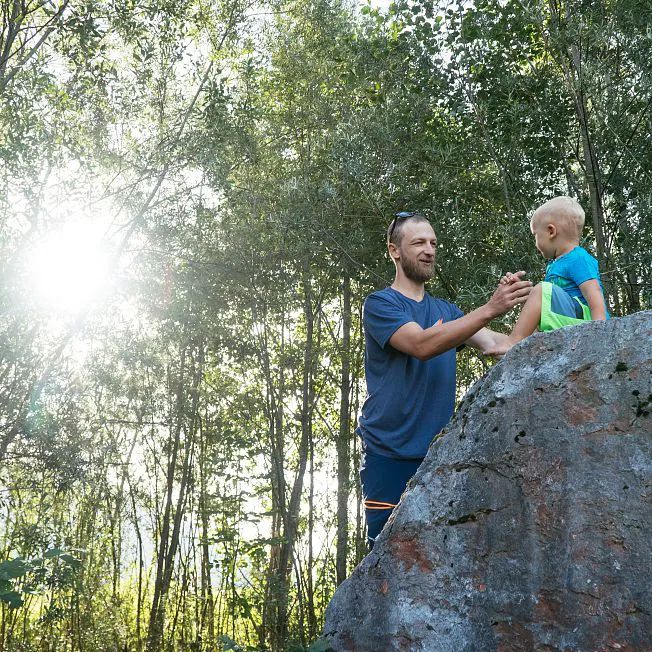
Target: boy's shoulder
x=582, y=260
x=573, y=257
x=580, y=252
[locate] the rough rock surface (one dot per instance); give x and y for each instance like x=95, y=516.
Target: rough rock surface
x=528, y=525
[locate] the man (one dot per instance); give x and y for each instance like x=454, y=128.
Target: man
x=410, y=347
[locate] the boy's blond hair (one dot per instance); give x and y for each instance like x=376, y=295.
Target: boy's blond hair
x=565, y=213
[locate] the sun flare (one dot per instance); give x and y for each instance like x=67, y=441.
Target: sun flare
x=68, y=268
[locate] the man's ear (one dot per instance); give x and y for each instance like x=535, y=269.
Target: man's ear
x=393, y=251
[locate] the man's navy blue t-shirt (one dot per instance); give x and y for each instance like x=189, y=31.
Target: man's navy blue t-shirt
x=408, y=400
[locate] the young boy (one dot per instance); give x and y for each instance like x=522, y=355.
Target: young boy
x=572, y=291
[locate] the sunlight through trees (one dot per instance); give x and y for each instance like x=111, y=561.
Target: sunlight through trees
x=193, y=205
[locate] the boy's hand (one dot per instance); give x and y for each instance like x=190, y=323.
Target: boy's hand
x=510, y=278
x=510, y=292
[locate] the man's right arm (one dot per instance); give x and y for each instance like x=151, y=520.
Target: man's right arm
x=425, y=343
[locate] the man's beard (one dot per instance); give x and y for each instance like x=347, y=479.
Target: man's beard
x=416, y=271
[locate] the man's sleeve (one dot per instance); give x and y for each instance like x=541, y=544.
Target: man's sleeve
x=456, y=313
x=383, y=318
x=583, y=269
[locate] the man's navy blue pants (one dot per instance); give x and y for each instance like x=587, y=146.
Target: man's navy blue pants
x=383, y=481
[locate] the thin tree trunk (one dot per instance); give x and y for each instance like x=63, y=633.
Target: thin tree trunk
x=274, y=409
x=591, y=163
x=569, y=57
x=280, y=631
x=343, y=440
x=360, y=538
x=154, y=630
x=167, y=554
x=207, y=612
x=141, y=565
x=310, y=598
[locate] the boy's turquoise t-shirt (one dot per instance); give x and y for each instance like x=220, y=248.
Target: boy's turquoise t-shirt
x=571, y=270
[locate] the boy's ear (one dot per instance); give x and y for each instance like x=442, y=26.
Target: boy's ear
x=552, y=230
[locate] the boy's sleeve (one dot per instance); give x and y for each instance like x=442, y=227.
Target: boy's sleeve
x=382, y=318
x=584, y=268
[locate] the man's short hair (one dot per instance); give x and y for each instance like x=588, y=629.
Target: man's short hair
x=565, y=211
x=395, y=235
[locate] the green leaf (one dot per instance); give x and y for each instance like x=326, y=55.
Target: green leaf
x=73, y=562
x=13, y=568
x=228, y=643
x=12, y=598
x=53, y=552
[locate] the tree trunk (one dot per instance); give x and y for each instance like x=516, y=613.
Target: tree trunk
x=344, y=438
x=208, y=611
x=286, y=556
x=141, y=566
x=569, y=57
x=170, y=540
x=310, y=589
x=275, y=392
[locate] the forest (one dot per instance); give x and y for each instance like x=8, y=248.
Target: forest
x=194, y=198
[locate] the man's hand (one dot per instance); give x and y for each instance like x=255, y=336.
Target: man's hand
x=510, y=292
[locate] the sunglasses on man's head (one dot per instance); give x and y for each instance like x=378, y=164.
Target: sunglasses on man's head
x=399, y=216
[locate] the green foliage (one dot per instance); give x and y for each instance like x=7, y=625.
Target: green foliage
x=57, y=570
x=227, y=643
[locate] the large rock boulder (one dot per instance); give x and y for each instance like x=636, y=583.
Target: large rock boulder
x=528, y=526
